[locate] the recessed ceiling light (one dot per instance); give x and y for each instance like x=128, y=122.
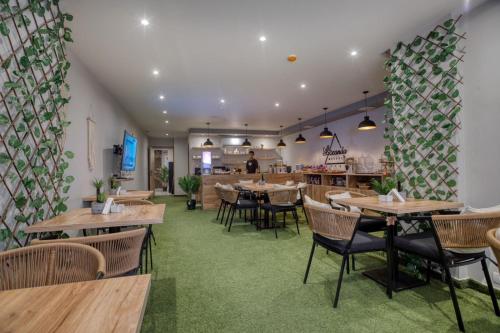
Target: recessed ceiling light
x=166, y=121
x=277, y=105
x=354, y=53
x=303, y=85
x=262, y=38
x=222, y=100
x=162, y=97
x=145, y=22
x=156, y=72
x=164, y=111
x=166, y=134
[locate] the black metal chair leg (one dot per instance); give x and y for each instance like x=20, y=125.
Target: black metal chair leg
x=345, y=260
x=353, y=263
x=150, y=252
x=454, y=299
x=231, y=208
x=309, y=262
x=232, y=218
x=428, y=273
x=490, y=287
x=348, y=265
x=223, y=213
x=153, y=236
x=294, y=212
x=274, y=224
x=220, y=207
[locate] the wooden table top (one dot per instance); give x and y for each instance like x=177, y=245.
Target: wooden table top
x=255, y=187
x=395, y=207
x=129, y=195
x=82, y=218
x=102, y=306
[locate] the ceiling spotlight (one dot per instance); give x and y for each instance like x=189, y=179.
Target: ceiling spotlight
x=354, y=53
x=222, y=101
x=166, y=121
x=303, y=86
x=166, y=134
x=262, y=38
x=164, y=111
x=145, y=22
x=156, y=72
x=162, y=97
x=277, y=105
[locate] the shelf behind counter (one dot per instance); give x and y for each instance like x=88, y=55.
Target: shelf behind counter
x=314, y=190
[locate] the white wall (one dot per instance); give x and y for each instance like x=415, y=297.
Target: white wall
x=181, y=162
x=90, y=99
x=357, y=142
x=480, y=136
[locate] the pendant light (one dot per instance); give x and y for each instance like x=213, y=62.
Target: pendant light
x=300, y=138
x=281, y=144
x=246, y=143
x=325, y=134
x=366, y=124
x=208, y=143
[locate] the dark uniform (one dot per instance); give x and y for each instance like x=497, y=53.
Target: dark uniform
x=252, y=165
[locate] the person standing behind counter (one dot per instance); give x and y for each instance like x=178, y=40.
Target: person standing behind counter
x=252, y=164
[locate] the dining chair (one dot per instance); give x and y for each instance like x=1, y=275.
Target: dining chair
x=453, y=241
x=301, y=187
x=147, y=247
x=122, y=250
x=281, y=201
x=494, y=242
x=218, y=193
x=232, y=199
x=337, y=231
x=49, y=264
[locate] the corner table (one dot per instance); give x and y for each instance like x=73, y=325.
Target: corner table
x=392, y=210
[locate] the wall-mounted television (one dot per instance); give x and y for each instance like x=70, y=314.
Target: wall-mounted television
x=129, y=152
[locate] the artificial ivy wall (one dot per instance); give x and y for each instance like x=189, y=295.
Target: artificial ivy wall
x=423, y=107
x=33, y=96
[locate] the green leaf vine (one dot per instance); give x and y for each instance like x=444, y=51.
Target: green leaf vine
x=34, y=96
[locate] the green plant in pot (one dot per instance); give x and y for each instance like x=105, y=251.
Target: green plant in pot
x=190, y=184
x=164, y=173
x=114, y=184
x=385, y=186
x=98, y=206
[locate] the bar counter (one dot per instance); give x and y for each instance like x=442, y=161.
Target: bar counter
x=209, y=198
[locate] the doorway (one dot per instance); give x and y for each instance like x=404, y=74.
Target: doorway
x=161, y=170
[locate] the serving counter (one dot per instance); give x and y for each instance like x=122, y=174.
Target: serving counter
x=209, y=198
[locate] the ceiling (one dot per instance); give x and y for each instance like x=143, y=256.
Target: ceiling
x=206, y=50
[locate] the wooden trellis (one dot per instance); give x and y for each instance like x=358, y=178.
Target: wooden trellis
x=424, y=102
x=33, y=97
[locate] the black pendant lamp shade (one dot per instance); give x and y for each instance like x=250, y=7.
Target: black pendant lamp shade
x=246, y=143
x=281, y=144
x=208, y=143
x=326, y=133
x=300, y=138
x=366, y=124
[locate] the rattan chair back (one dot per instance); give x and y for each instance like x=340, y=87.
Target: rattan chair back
x=352, y=193
x=133, y=202
x=122, y=250
x=230, y=196
x=282, y=196
x=332, y=223
x=465, y=230
x=49, y=264
x=494, y=243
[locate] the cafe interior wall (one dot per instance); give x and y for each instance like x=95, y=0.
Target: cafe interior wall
x=358, y=143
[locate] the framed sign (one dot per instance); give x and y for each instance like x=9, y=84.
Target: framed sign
x=334, y=153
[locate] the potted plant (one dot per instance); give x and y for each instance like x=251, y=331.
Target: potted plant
x=114, y=184
x=98, y=206
x=190, y=184
x=164, y=173
x=384, y=187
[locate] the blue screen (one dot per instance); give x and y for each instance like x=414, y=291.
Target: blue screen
x=129, y=152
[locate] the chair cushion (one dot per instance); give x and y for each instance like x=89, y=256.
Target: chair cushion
x=344, y=195
x=362, y=242
x=368, y=224
x=471, y=210
x=315, y=203
x=424, y=244
x=289, y=183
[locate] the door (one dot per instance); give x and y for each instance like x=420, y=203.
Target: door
x=161, y=159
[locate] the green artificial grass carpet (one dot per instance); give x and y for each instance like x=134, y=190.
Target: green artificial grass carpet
x=208, y=280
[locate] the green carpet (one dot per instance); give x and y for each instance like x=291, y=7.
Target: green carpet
x=208, y=280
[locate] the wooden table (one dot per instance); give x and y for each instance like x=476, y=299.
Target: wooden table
x=129, y=195
x=257, y=188
x=102, y=306
x=389, y=277
x=82, y=218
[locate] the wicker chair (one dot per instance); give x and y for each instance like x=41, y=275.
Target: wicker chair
x=218, y=193
x=494, y=243
x=232, y=199
x=148, y=251
x=281, y=201
x=43, y=265
x=454, y=240
x=122, y=250
x=337, y=231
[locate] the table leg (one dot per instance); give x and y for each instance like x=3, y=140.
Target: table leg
x=390, y=258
